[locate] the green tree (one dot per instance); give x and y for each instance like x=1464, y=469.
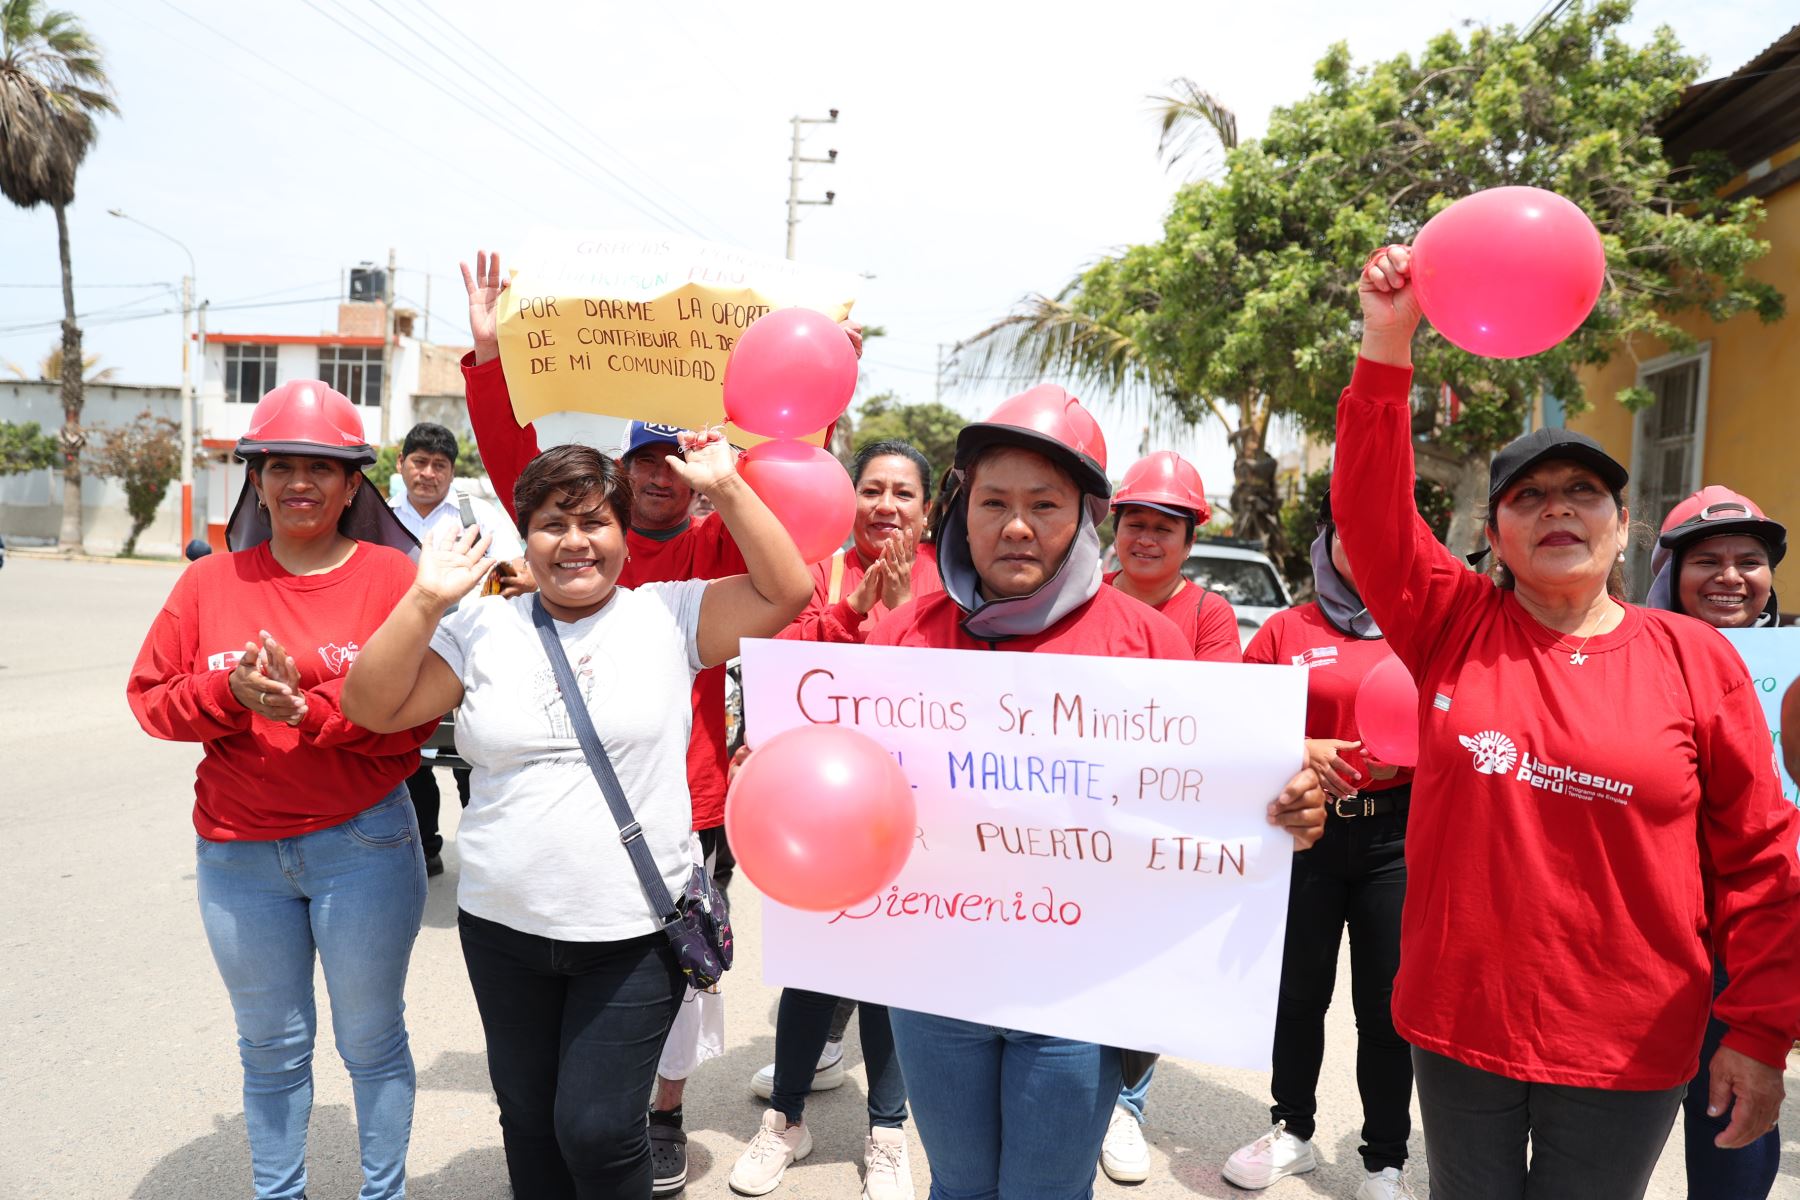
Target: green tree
x=1248, y=303
x=145, y=458
x=930, y=426
x=52, y=85
x=25, y=447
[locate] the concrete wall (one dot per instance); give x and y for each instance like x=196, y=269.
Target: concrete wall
x=31, y=504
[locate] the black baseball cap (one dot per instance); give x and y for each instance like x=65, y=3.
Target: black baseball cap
x=1543, y=445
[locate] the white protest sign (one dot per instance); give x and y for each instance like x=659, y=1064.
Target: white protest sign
x=1773, y=656
x=1094, y=859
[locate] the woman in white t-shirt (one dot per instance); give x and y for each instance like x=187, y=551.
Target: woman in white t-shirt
x=574, y=978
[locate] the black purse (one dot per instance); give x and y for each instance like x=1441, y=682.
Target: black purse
x=699, y=927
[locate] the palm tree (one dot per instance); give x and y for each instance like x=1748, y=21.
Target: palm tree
x=50, y=367
x=52, y=84
x=1092, y=342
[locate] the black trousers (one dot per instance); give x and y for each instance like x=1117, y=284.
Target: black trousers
x=574, y=1031
x=1584, y=1143
x=422, y=784
x=1354, y=875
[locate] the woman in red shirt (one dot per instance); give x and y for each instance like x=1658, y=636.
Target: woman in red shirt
x=1716, y=560
x=1597, y=815
x=1159, y=505
x=1355, y=876
x=1004, y=1112
x=308, y=846
x=853, y=591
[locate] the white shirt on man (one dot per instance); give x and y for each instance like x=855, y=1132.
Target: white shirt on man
x=506, y=544
x=540, y=849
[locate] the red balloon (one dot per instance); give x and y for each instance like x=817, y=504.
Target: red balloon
x=821, y=817
x=808, y=490
x=1387, y=714
x=791, y=374
x=1508, y=272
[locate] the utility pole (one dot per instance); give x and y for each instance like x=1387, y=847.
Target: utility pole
x=187, y=378
x=794, y=161
x=942, y=362
x=200, y=355
x=387, y=347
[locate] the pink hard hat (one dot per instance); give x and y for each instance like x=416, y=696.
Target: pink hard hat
x=1716, y=511
x=1050, y=421
x=1166, y=482
x=305, y=416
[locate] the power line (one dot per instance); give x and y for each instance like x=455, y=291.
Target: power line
x=506, y=98
x=123, y=318
x=464, y=101
x=79, y=286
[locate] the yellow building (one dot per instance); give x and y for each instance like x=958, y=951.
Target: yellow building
x=1729, y=412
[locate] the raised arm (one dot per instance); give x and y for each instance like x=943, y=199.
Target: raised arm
x=398, y=682
x=504, y=445
x=778, y=585
x=1409, y=580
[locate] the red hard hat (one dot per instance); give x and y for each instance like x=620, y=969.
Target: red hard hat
x=1716, y=511
x=1050, y=421
x=1166, y=482
x=303, y=416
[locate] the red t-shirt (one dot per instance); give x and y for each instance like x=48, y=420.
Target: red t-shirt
x=1335, y=664
x=1111, y=625
x=1205, y=618
x=827, y=620
x=704, y=550
x=263, y=779
x=1573, y=827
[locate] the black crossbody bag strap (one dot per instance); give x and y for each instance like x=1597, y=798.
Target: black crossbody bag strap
x=631, y=834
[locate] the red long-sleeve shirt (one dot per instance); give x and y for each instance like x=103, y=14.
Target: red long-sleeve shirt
x=1573, y=828
x=704, y=550
x=1111, y=625
x=1335, y=664
x=826, y=619
x=1205, y=618
x=263, y=779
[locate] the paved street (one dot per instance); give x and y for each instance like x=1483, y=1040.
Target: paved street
x=118, y=1070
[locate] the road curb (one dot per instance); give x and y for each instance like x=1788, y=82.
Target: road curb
x=47, y=554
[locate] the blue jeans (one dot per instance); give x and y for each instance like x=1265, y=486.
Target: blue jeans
x=802, y=1025
x=355, y=894
x=1136, y=1100
x=1005, y=1115
x=1712, y=1173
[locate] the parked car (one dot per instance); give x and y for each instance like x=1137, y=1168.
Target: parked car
x=1244, y=576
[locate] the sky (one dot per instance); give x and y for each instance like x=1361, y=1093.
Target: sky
x=986, y=151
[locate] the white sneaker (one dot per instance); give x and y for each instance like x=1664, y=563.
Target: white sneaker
x=1123, y=1155
x=1275, y=1155
x=827, y=1075
x=886, y=1173
x=1389, y=1183
x=776, y=1147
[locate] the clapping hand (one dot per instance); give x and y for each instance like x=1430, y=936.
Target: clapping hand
x=267, y=682
x=453, y=565
x=897, y=556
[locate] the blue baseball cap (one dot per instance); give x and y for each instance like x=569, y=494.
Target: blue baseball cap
x=641, y=434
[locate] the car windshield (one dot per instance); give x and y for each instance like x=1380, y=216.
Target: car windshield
x=1239, y=581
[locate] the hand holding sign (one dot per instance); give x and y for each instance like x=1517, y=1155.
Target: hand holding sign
x=820, y=817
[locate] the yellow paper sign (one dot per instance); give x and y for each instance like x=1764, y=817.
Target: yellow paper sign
x=639, y=325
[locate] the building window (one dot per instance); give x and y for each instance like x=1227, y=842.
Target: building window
x=352, y=370
x=249, y=372
x=1668, y=443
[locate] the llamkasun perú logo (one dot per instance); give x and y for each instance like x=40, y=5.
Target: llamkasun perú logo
x=339, y=657
x=1495, y=754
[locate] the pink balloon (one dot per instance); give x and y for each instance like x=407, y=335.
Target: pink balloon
x=1508, y=272
x=808, y=490
x=821, y=817
x=791, y=374
x=1387, y=714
